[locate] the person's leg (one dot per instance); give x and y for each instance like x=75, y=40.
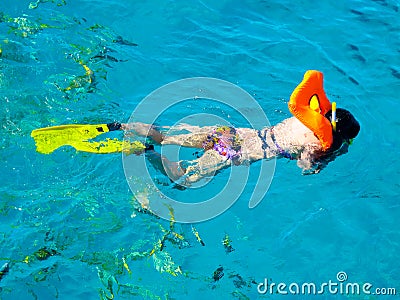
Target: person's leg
x=190, y=140
x=194, y=139
x=143, y=129
x=189, y=171
x=205, y=166
x=169, y=168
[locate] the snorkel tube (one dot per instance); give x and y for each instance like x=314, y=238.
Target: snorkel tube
x=333, y=119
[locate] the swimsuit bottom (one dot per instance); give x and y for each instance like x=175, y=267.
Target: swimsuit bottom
x=225, y=140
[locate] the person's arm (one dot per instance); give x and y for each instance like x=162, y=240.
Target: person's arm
x=299, y=106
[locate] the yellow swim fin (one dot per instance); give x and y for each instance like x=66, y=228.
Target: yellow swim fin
x=78, y=136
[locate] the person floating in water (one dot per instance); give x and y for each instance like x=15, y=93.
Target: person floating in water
x=315, y=135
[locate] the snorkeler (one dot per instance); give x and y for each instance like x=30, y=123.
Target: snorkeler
x=316, y=132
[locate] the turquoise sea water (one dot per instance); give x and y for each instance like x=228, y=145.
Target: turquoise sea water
x=67, y=220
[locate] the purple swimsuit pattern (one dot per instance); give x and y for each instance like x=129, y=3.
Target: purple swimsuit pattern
x=225, y=141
